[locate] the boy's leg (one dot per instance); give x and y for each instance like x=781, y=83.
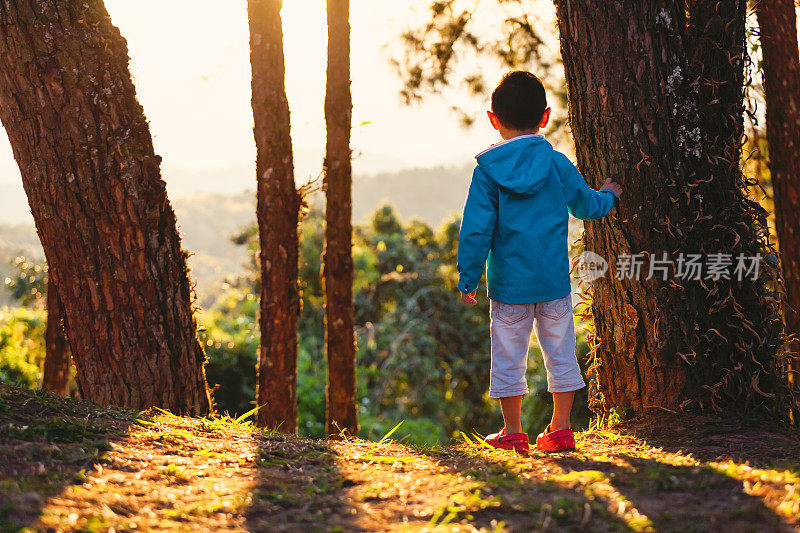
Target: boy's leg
x=511, y=328
x=555, y=331
x=562, y=405
x=512, y=413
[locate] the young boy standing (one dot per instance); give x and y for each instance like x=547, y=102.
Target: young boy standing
x=515, y=223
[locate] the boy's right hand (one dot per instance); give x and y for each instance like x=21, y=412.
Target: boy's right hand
x=612, y=186
x=469, y=298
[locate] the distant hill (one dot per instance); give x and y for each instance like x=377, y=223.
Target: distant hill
x=207, y=222
x=432, y=194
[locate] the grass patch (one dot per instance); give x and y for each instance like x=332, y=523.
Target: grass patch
x=583, y=477
x=57, y=430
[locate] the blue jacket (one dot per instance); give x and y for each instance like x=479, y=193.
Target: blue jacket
x=515, y=220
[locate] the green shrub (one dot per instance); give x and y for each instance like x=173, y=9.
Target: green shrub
x=28, y=283
x=22, y=346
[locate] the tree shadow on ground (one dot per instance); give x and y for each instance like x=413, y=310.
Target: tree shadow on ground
x=530, y=496
x=674, y=497
x=46, y=445
x=709, y=438
x=614, y=483
x=298, y=488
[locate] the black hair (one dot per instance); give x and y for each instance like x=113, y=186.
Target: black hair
x=519, y=101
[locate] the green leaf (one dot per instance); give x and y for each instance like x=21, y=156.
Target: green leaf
x=482, y=442
x=239, y=419
x=390, y=432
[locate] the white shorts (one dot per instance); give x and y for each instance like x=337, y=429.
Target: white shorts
x=511, y=326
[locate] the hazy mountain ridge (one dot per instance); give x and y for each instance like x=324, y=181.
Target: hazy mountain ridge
x=432, y=194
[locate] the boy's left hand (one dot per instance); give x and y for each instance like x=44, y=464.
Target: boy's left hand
x=469, y=298
x=612, y=186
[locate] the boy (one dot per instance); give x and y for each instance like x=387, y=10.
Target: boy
x=515, y=221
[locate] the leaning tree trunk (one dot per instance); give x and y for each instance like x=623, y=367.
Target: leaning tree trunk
x=656, y=103
x=777, y=23
x=94, y=187
x=337, y=269
x=56, y=359
x=277, y=212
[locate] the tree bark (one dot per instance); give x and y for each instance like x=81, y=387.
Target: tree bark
x=655, y=104
x=278, y=212
x=57, y=359
x=94, y=187
x=337, y=266
x=777, y=21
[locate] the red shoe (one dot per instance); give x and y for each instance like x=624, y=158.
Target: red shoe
x=555, y=441
x=513, y=441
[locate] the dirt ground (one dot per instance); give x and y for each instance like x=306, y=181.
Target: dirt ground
x=68, y=466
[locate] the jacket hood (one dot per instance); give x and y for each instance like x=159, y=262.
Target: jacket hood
x=520, y=165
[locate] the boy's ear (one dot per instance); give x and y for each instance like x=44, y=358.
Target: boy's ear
x=493, y=120
x=545, y=118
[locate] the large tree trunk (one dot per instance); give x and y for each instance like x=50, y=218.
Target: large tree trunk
x=655, y=103
x=777, y=22
x=278, y=209
x=92, y=178
x=57, y=359
x=337, y=266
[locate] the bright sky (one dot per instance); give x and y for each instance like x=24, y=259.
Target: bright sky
x=190, y=61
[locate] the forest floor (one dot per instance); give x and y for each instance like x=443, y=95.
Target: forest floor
x=67, y=465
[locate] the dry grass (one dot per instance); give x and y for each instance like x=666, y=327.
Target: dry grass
x=73, y=466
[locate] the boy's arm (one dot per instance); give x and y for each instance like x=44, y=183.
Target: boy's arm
x=582, y=201
x=477, y=230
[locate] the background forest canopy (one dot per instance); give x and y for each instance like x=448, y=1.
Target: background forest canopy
x=422, y=355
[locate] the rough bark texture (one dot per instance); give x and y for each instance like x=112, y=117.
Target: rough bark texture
x=337, y=269
x=57, y=359
x=93, y=182
x=278, y=211
x=777, y=23
x=656, y=102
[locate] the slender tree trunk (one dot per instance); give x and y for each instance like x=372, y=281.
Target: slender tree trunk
x=278, y=211
x=777, y=22
x=655, y=103
x=337, y=266
x=94, y=187
x=57, y=359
